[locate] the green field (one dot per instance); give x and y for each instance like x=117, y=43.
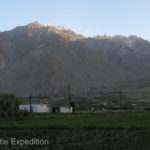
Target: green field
x=82, y=131
x=124, y=120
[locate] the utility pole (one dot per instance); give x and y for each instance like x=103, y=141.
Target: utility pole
x=120, y=100
x=69, y=97
x=30, y=105
x=12, y=105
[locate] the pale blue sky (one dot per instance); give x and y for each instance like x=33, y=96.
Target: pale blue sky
x=87, y=17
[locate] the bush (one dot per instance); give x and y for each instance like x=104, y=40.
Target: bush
x=9, y=107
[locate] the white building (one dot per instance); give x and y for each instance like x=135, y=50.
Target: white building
x=46, y=108
x=65, y=109
x=105, y=102
x=36, y=107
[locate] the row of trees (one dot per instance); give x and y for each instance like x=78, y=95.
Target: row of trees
x=9, y=107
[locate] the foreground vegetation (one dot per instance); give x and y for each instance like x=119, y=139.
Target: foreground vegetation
x=63, y=139
x=81, y=131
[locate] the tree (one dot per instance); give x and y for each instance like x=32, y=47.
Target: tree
x=9, y=106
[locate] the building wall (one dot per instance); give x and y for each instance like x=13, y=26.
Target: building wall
x=36, y=107
x=44, y=108
x=64, y=109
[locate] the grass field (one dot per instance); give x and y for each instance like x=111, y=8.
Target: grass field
x=82, y=131
x=124, y=120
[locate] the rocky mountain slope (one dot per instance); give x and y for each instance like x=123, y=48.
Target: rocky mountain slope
x=131, y=53
x=42, y=59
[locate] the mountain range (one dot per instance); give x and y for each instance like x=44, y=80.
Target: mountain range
x=39, y=59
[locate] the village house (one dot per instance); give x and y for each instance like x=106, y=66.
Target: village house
x=46, y=108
